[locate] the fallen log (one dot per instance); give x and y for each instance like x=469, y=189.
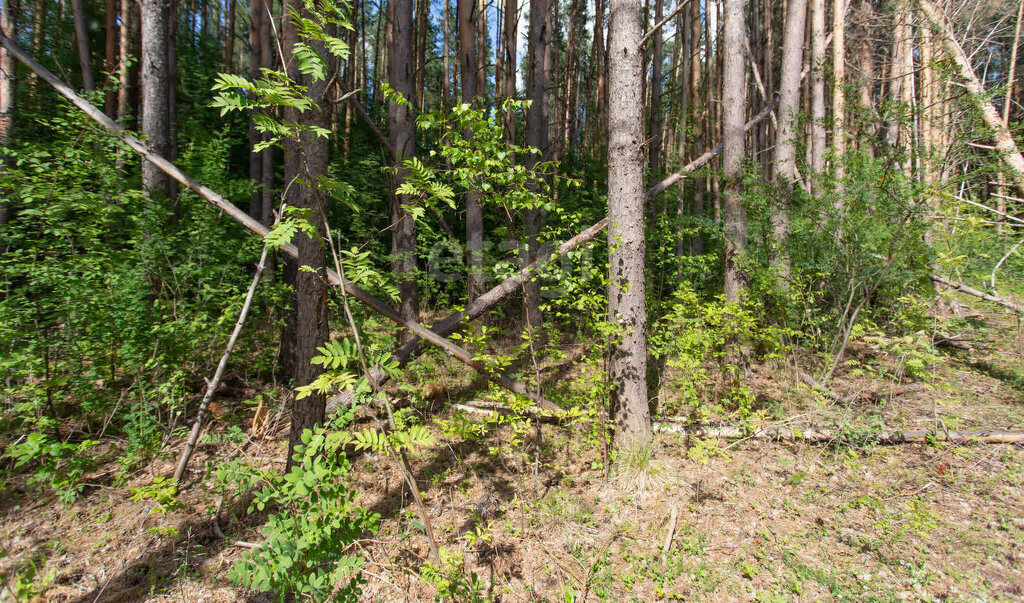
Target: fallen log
x=242, y=217
x=979, y=294
x=821, y=436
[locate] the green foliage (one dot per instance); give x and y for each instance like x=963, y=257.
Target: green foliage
x=306, y=545
x=60, y=465
x=450, y=578
x=163, y=491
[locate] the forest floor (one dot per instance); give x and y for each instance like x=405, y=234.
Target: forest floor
x=696, y=520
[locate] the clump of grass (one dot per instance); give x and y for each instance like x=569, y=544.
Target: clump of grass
x=635, y=468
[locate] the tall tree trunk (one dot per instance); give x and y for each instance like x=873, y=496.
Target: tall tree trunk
x=511, y=27
x=839, y=90
x=446, y=78
x=597, y=76
x=123, y=70
x=110, y=66
x=481, y=51
x=784, y=167
x=38, y=36
x=627, y=366
x=402, y=131
x=819, y=59
x=267, y=55
x=420, y=90
x=229, y=39
x=537, y=119
x=734, y=89
x=572, y=77
x=256, y=16
x=305, y=162
x=82, y=37
x=657, y=50
x=697, y=115
x=8, y=92
x=867, y=78
x=156, y=119
x=681, y=58
x=474, y=212
x=898, y=75
x=171, y=8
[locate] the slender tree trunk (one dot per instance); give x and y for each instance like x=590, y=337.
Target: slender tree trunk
x=305, y=162
x=866, y=81
x=402, y=131
x=229, y=39
x=597, y=68
x=171, y=9
x=156, y=120
x=627, y=364
x=699, y=134
x=537, y=118
x=82, y=37
x=839, y=91
x=682, y=52
x=123, y=70
x=784, y=167
x=38, y=36
x=572, y=77
x=267, y=54
x=474, y=212
x=655, y=115
x=819, y=59
x=511, y=26
x=256, y=16
x=110, y=66
x=898, y=75
x=8, y=92
x=481, y=51
x=422, y=17
x=446, y=74
x=734, y=89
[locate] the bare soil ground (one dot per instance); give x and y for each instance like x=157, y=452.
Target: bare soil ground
x=694, y=520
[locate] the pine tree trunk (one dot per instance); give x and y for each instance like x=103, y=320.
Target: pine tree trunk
x=305, y=162
x=734, y=89
x=572, y=77
x=402, y=131
x=819, y=59
x=419, y=90
x=481, y=51
x=657, y=50
x=256, y=16
x=446, y=67
x=597, y=121
x=474, y=212
x=123, y=71
x=110, y=65
x=229, y=39
x=82, y=38
x=839, y=91
x=156, y=119
x=511, y=26
x=627, y=364
x=784, y=166
x=537, y=118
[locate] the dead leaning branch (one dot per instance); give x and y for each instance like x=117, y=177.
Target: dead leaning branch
x=242, y=217
x=995, y=299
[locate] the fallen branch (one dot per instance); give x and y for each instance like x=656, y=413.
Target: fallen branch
x=242, y=217
x=211, y=386
x=979, y=294
x=816, y=436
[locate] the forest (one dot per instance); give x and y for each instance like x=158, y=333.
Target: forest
x=519, y=300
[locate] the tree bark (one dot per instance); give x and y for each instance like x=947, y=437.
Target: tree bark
x=402, y=131
x=481, y=51
x=305, y=163
x=598, y=121
x=537, y=118
x=572, y=76
x=734, y=89
x=784, y=168
x=156, y=124
x=82, y=39
x=627, y=365
x=256, y=16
